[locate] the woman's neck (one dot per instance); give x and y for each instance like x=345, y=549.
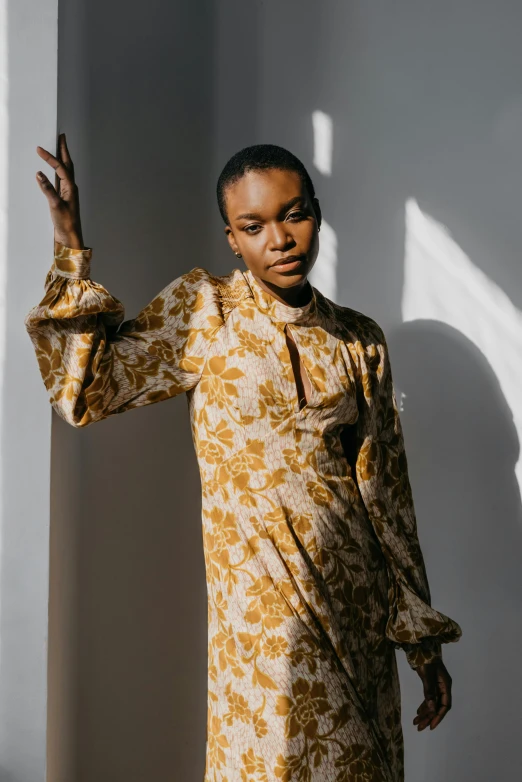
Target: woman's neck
x=296, y=296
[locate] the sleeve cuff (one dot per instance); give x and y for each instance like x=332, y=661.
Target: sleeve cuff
x=425, y=652
x=68, y=262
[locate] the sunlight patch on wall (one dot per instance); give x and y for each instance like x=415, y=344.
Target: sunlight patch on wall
x=4, y=177
x=324, y=274
x=323, y=142
x=442, y=283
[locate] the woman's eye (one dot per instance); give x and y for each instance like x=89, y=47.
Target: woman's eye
x=251, y=229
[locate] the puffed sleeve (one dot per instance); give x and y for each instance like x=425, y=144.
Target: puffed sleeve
x=382, y=476
x=94, y=364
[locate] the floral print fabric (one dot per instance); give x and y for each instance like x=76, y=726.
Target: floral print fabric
x=314, y=569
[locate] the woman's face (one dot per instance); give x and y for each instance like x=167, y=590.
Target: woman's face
x=271, y=217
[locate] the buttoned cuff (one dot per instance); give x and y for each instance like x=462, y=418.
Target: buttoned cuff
x=68, y=262
x=425, y=652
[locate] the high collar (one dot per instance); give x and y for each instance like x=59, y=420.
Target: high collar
x=277, y=310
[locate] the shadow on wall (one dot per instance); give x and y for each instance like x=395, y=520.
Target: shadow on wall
x=462, y=449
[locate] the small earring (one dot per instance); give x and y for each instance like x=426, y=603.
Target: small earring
x=239, y=255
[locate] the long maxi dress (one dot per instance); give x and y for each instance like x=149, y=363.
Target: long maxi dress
x=314, y=570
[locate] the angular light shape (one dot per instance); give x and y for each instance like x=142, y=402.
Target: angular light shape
x=323, y=142
x=442, y=283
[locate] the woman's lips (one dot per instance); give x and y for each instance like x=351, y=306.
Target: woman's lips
x=287, y=265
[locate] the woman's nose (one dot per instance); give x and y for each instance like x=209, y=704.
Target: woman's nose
x=281, y=237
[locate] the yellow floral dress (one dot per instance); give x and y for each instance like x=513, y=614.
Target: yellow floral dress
x=314, y=570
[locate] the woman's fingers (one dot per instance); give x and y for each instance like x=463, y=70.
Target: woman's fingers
x=61, y=171
x=63, y=198
x=429, y=683
x=64, y=153
x=445, y=698
x=439, y=716
x=48, y=190
x=437, y=691
x=427, y=717
x=424, y=716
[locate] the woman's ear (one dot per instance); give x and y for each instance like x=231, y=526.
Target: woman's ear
x=230, y=237
x=318, y=214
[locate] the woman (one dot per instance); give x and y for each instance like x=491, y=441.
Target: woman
x=314, y=571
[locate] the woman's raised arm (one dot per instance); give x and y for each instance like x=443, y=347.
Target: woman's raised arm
x=93, y=363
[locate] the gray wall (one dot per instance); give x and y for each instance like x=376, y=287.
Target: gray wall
x=28, y=70
x=154, y=100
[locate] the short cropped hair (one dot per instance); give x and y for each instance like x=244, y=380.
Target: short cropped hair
x=259, y=157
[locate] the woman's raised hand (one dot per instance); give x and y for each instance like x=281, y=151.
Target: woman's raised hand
x=63, y=198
